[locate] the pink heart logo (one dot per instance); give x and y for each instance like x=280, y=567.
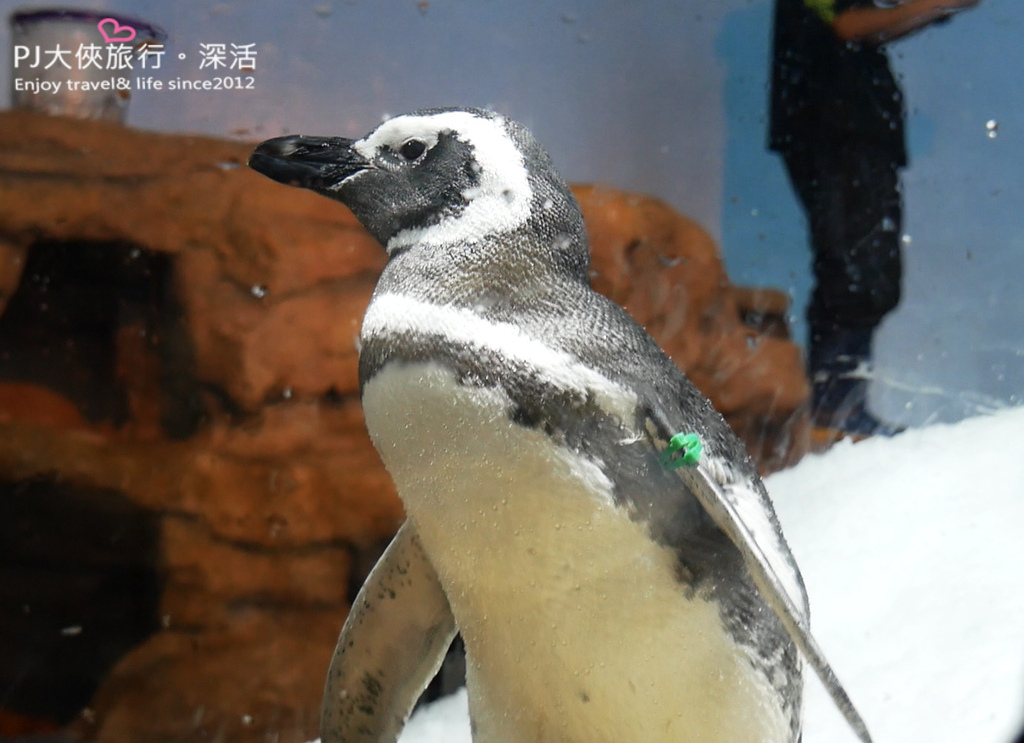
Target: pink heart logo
x=117, y=33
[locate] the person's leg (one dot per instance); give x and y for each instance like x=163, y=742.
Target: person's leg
x=855, y=220
x=851, y=196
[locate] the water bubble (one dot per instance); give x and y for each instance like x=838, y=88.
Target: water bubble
x=561, y=242
x=992, y=128
x=258, y=290
x=906, y=239
x=888, y=224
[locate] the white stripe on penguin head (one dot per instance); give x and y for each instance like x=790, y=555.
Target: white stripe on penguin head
x=501, y=200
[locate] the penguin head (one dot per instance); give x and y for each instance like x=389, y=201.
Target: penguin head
x=443, y=177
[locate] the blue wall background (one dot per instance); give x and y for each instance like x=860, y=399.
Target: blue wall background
x=669, y=98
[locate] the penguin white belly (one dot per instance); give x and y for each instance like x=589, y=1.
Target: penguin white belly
x=576, y=628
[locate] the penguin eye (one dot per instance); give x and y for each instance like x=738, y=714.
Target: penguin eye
x=412, y=149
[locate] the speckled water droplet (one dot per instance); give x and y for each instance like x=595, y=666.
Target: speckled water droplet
x=992, y=128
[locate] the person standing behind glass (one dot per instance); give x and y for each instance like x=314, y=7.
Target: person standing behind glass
x=837, y=120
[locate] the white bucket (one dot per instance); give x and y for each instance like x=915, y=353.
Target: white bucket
x=59, y=84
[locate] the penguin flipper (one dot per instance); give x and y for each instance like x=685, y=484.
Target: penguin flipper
x=722, y=504
x=391, y=646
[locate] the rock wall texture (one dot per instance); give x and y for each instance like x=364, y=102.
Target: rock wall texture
x=220, y=395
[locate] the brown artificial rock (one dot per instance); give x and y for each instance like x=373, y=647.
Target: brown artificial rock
x=12, y=261
x=40, y=406
x=272, y=500
x=261, y=680
x=209, y=580
x=256, y=344
x=238, y=235
x=260, y=525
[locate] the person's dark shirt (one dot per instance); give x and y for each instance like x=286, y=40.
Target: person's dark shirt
x=826, y=91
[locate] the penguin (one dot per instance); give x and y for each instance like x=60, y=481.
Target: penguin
x=576, y=508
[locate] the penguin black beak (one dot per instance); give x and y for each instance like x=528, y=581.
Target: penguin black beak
x=317, y=163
